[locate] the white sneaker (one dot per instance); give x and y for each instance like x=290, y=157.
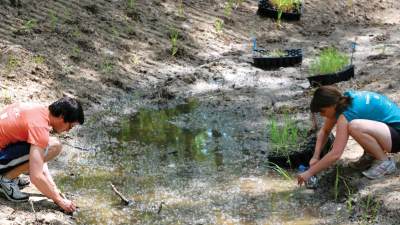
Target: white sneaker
x=363, y=162
x=11, y=190
x=22, y=181
x=380, y=168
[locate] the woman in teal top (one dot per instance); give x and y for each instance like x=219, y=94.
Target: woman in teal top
x=372, y=119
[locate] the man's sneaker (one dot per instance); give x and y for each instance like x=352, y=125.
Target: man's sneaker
x=363, y=162
x=380, y=168
x=11, y=190
x=22, y=181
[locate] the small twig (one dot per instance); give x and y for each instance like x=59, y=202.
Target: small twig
x=33, y=208
x=80, y=148
x=123, y=198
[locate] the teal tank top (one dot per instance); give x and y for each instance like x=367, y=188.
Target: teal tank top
x=372, y=106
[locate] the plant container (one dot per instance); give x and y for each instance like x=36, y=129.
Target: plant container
x=266, y=9
x=291, y=57
x=327, y=79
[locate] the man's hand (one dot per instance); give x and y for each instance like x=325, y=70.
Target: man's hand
x=66, y=205
x=313, y=161
x=303, y=177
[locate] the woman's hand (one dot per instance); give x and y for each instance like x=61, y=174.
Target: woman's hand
x=303, y=177
x=313, y=161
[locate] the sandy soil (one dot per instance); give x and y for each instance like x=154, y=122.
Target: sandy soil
x=105, y=52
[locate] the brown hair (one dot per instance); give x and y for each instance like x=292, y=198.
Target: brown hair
x=326, y=96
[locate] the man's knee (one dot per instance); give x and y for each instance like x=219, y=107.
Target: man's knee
x=54, y=148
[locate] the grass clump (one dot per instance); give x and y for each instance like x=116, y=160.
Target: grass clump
x=38, y=59
x=174, y=35
x=277, y=53
x=29, y=25
x=282, y=172
x=285, y=6
x=330, y=60
x=53, y=20
x=181, y=11
x=219, y=25
x=228, y=8
x=12, y=63
x=284, y=136
x=370, y=210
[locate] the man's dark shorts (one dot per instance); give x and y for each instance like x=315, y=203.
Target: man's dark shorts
x=14, y=155
x=395, y=135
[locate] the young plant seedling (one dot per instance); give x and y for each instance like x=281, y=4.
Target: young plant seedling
x=219, y=25
x=174, y=35
x=329, y=61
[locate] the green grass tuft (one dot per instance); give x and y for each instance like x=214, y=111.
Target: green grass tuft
x=329, y=61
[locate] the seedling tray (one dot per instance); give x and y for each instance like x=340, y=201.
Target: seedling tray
x=266, y=9
x=301, y=157
x=292, y=57
x=328, y=79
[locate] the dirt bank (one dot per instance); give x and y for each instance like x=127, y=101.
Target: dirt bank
x=106, y=52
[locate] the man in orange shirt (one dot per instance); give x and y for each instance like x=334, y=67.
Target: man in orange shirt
x=26, y=146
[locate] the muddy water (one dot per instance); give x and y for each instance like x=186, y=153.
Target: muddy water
x=198, y=167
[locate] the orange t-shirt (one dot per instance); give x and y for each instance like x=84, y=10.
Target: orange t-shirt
x=24, y=122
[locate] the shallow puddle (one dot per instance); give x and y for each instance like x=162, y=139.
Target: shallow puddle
x=199, y=171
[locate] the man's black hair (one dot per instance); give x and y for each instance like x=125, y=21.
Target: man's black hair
x=70, y=109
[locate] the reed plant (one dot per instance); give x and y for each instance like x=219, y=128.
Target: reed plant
x=331, y=60
x=174, y=35
x=53, y=20
x=277, y=53
x=370, y=210
x=12, y=63
x=38, y=59
x=130, y=4
x=29, y=25
x=336, y=184
x=181, y=11
x=219, y=25
x=228, y=8
x=285, y=6
x=284, y=135
x=282, y=172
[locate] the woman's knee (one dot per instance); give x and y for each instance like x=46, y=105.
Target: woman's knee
x=356, y=126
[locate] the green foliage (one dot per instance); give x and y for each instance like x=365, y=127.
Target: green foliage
x=130, y=4
x=174, y=35
x=228, y=8
x=329, y=61
x=370, y=210
x=53, y=20
x=77, y=32
x=284, y=136
x=282, y=172
x=12, y=63
x=107, y=66
x=76, y=52
x=277, y=53
x=29, y=25
x=336, y=185
x=6, y=97
x=38, y=59
x=219, y=25
x=181, y=11
x=285, y=6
